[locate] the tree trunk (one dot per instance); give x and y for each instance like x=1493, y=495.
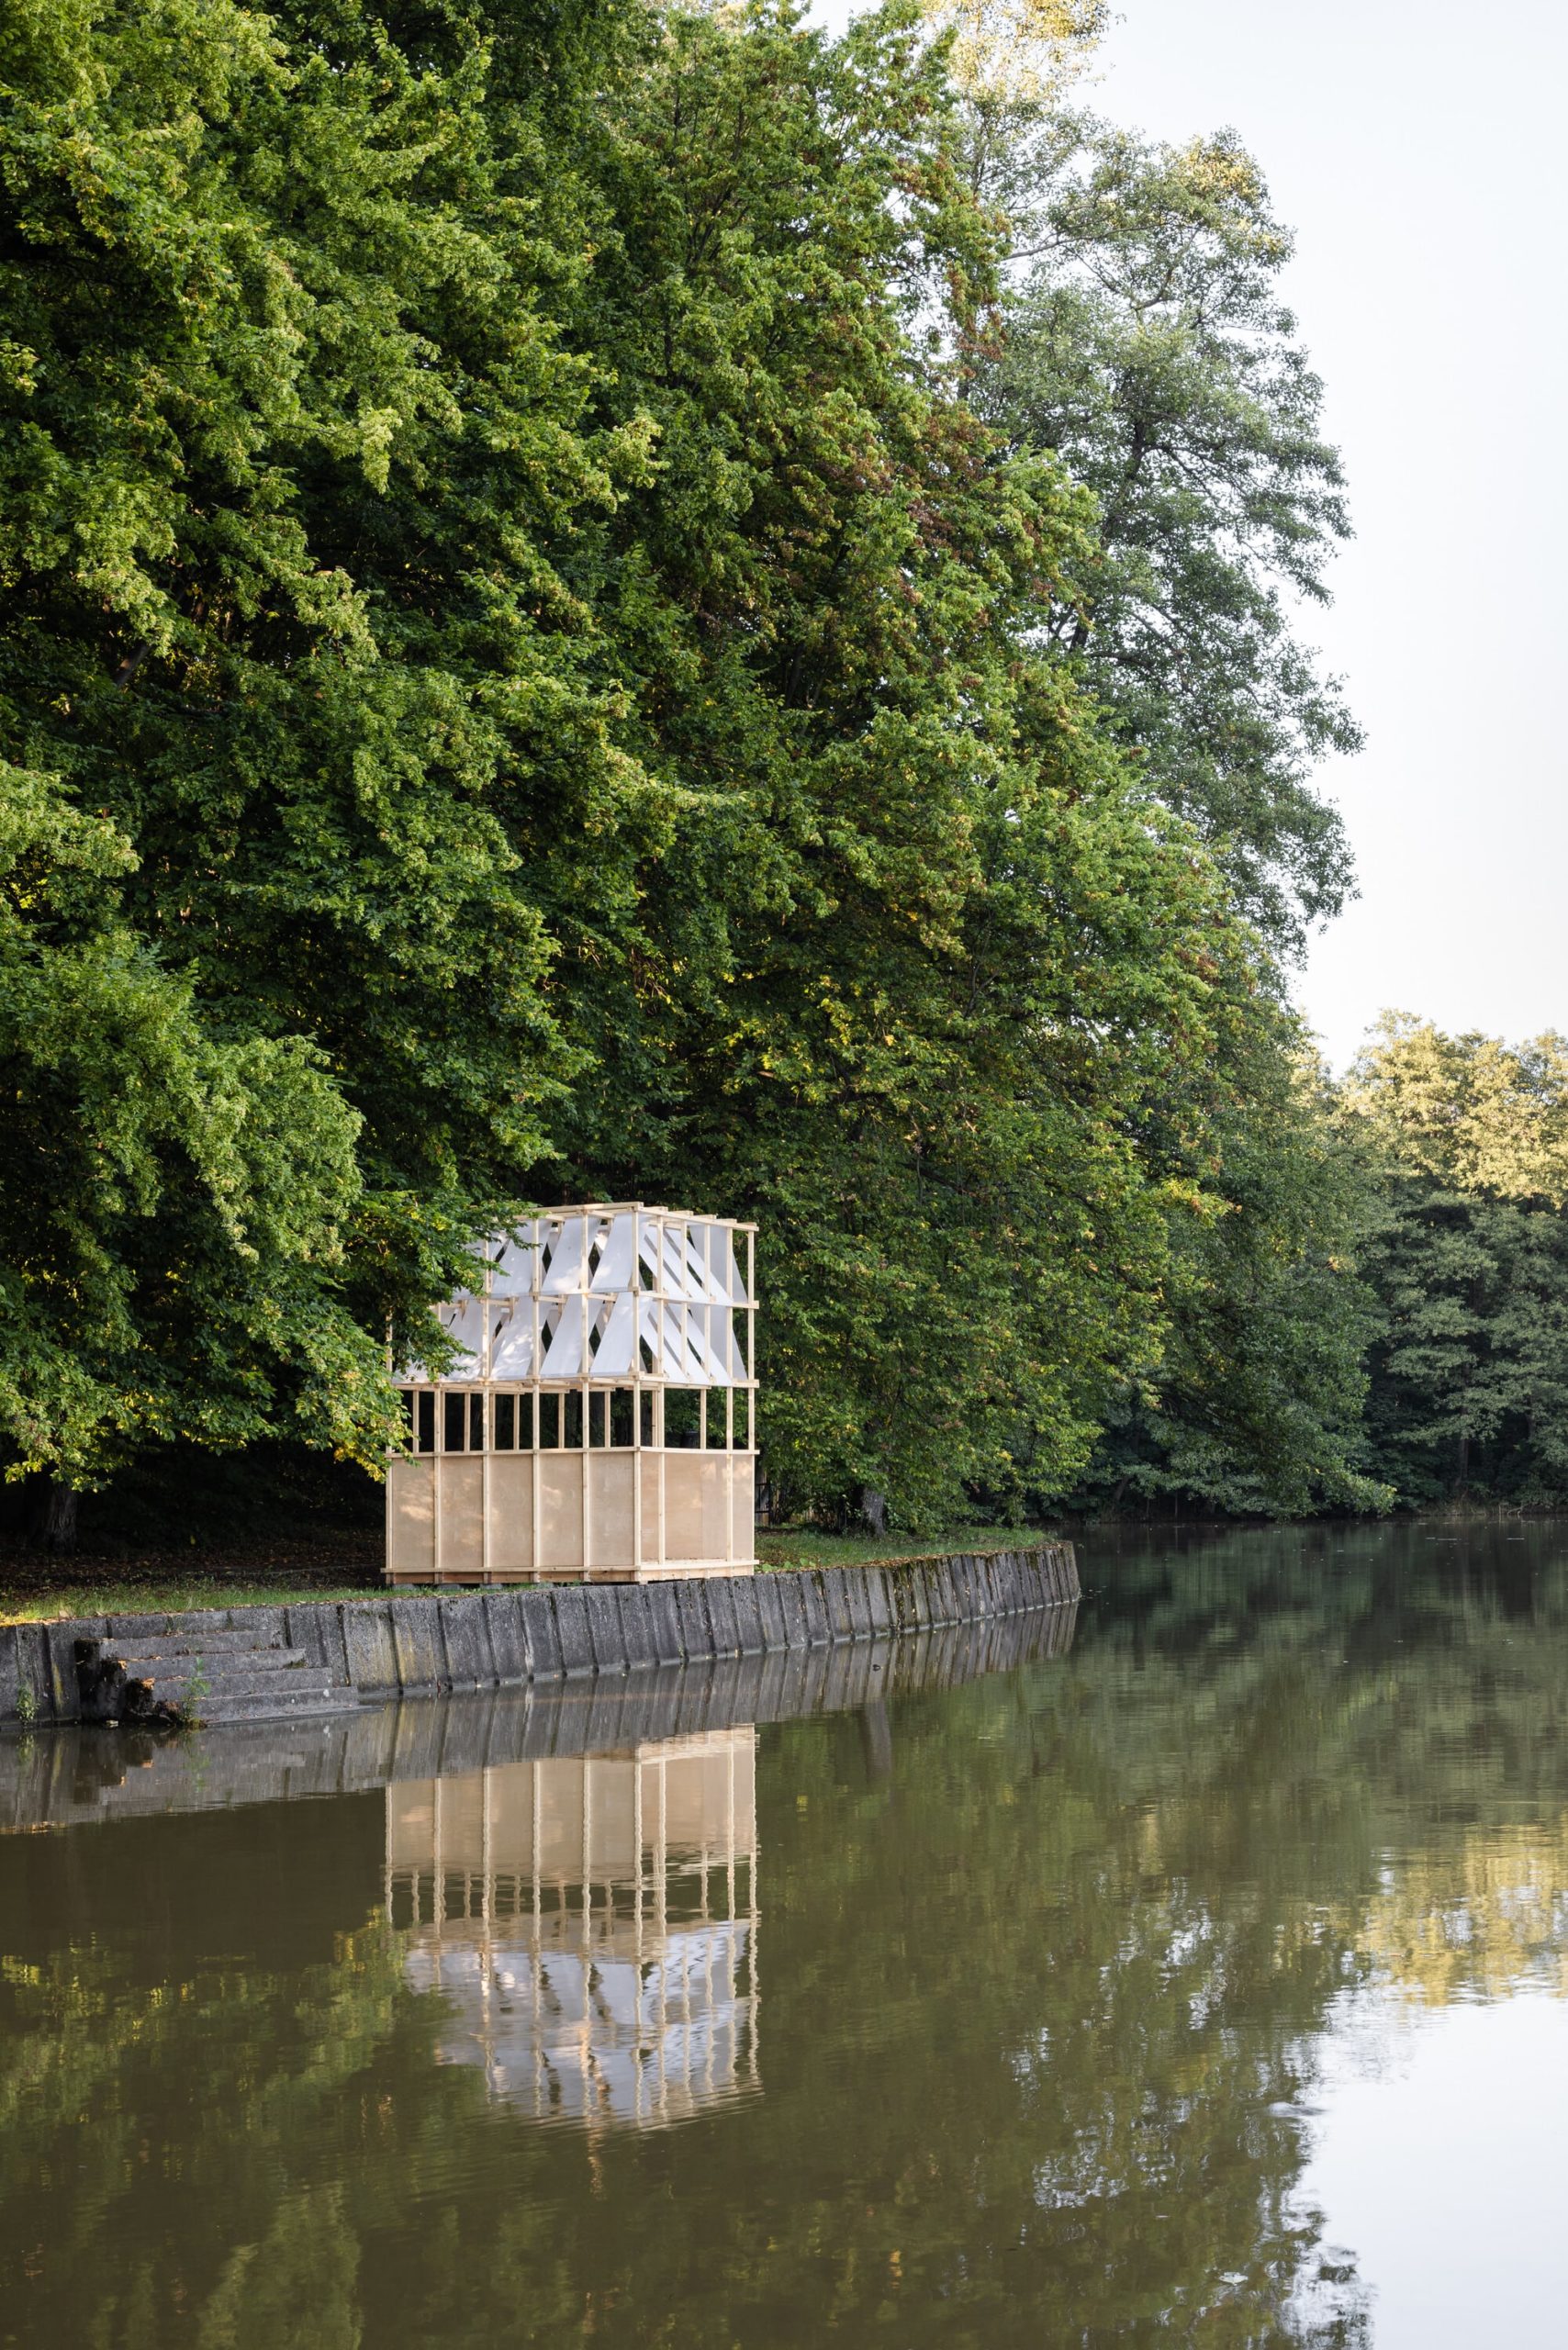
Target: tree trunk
x=57, y=1519
x=874, y=1510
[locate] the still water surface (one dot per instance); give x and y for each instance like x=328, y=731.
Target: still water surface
x=1202, y=1982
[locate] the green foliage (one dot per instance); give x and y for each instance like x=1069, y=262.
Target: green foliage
x=173, y=1224
x=1257, y=1407
x=568, y=630
x=288, y=686
x=1469, y=1260
x=1144, y=343
x=923, y=946
x=1147, y=345
x=1469, y=1112
x=1373, y=1305
x=524, y=674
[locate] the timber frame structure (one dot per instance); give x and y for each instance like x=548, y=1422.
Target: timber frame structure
x=598, y=1420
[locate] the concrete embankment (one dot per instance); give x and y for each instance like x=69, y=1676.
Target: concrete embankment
x=341, y=1653
x=82, y=1775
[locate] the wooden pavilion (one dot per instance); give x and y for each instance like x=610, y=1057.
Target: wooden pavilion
x=598, y=1420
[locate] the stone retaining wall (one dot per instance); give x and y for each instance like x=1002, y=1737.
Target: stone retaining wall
x=481, y=1639
x=79, y=1776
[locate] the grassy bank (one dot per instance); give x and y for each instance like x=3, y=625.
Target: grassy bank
x=805, y=1547
x=157, y=1579
x=37, y=1590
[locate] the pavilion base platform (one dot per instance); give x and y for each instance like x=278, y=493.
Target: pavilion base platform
x=642, y=1514
x=502, y=1578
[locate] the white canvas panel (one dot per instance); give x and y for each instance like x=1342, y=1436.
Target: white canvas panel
x=705, y=1262
x=732, y=1275
x=673, y=1279
x=618, y=1340
x=648, y=1332
x=515, y=1266
x=562, y=1359
x=658, y=1326
x=688, y=1343
x=687, y=1249
x=511, y=1342
x=691, y=1344
x=708, y=1340
x=464, y=1318
x=568, y=1259
x=685, y=1274
x=616, y=1271
x=683, y=1345
x=729, y=1363
x=707, y=1344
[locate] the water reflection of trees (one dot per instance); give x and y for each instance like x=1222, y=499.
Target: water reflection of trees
x=1047, y=1972
x=1399, y=1693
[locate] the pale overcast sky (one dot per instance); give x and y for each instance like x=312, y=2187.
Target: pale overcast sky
x=1416, y=147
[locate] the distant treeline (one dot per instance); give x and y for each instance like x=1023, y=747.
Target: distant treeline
x=638, y=600
x=1380, y=1316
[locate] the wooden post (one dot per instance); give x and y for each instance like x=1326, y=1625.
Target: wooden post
x=488, y=1406
x=438, y=1493
x=586, y=1432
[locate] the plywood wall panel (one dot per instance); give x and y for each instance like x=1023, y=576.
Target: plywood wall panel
x=560, y=1510
x=511, y=1513
x=411, y=1517
x=683, y=1506
x=611, y=1488
x=462, y=1516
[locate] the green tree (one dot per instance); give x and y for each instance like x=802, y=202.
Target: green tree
x=1145, y=343
x=923, y=946
x=294, y=703
x=174, y=1228
x=524, y=672
x=1469, y=1112
x=1257, y=1407
x=1469, y=1260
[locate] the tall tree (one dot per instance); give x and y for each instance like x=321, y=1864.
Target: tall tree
x=1146, y=344
x=521, y=647
x=924, y=945
x=1143, y=342
x=288, y=688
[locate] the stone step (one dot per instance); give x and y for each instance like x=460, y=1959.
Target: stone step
x=144, y=1637
x=155, y=1664
x=280, y=1703
x=239, y=1681
x=199, y=1677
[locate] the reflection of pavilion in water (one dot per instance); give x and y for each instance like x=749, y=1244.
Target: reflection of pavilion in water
x=591, y=1923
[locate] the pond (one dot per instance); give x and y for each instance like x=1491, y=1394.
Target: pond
x=1190, y=1971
